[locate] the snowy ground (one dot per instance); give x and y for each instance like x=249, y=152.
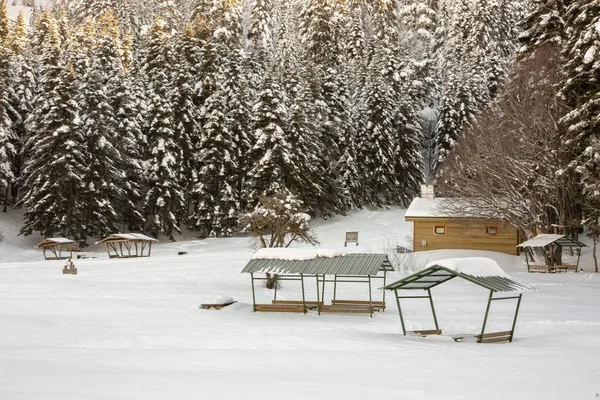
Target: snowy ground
x=132, y=329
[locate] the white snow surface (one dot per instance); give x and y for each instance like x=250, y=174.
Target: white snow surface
x=280, y=253
x=128, y=329
x=474, y=266
x=541, y=240
x=426, y=208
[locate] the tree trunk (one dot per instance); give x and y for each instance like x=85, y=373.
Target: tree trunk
x=271, y=281
x=594, y=254
x=6, y=198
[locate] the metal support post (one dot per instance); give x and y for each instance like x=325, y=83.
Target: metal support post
x=400, y=312
x=370, y=298
x=303, y=296
x=433, y=310
x=384, y=279
x=512, y=331
x=334, y=285
x=253, y=294
x=487, y=311
x=318, y=297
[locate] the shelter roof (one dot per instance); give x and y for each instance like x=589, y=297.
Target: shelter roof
x=55, y=240
x=316, y=261
x=127, y=236
x=544, y=239
x=478, y=270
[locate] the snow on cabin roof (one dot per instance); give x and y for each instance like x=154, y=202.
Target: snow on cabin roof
x=478, y=270
x=544, y=239
x=427, y=208
x=128, y=236
x=55, y=240
x=316, y=261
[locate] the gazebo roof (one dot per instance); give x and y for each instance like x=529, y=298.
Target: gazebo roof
x=55, y=240
x=127, y=236
x=478, y=270
x=546, y=239
x=316, y=262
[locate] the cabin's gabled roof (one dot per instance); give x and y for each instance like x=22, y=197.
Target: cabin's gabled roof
x=317, y=263
x=545, y=239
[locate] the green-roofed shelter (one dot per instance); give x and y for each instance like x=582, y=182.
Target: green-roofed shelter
x=545, y=253
x=324, y=266
x=490, y=277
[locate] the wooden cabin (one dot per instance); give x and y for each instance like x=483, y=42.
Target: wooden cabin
x=435, y=229
x=57, y=248
x=128, y=245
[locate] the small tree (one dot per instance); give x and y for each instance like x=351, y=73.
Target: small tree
x=278, y=221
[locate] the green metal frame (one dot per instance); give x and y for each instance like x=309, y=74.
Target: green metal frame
x=487, y=312
x=398, y=297
x=346, y=279
x=436, y=275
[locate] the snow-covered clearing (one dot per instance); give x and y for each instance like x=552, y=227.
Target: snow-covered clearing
x=132, y=329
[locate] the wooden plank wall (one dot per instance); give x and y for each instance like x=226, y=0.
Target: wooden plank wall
x=462, y=234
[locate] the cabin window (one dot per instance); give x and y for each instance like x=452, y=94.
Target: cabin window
x=491, y=230
x=439, y=230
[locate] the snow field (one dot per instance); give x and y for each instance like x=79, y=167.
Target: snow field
x=132, y=329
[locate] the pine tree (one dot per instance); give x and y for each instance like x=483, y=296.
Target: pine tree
x=544, y=26
x=164, y=204
x=272, y=151
x=224, y=130
x=52, y=176
x=581, y=90
x=104, y=177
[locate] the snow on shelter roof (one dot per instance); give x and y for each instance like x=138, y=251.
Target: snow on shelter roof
x=481, y=271
x=127, y=236
x=316, y=261
x=55, y=240
x=544, y=239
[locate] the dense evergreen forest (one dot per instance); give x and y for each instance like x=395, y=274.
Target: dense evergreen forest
x=152, y=115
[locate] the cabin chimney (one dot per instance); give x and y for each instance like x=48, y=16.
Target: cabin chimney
x=427, y=192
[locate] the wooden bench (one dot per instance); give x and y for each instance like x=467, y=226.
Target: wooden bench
x=310, y=305
x=216, y=306
x=295, y=308
x=495, y=337
x=425, y=332
x=347, y=308
x=377, y=305
x=555, y=268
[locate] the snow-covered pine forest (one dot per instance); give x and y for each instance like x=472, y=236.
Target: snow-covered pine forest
x=153, y=115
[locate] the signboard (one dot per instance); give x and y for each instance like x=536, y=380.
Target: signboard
x=351, y=237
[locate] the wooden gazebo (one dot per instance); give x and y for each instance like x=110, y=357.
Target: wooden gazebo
x=481, y=271
x=320, y=266
x=128, y=245
x=57, y=248
x=546, y=253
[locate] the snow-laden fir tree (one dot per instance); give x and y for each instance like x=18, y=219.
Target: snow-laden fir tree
x=225, y=141
x=53, y=186
x=271, y=153
x=21, y=88
x=105, y=179
x=164, y=205
x=186, y=114
x=544, y=26
x=581, y=90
